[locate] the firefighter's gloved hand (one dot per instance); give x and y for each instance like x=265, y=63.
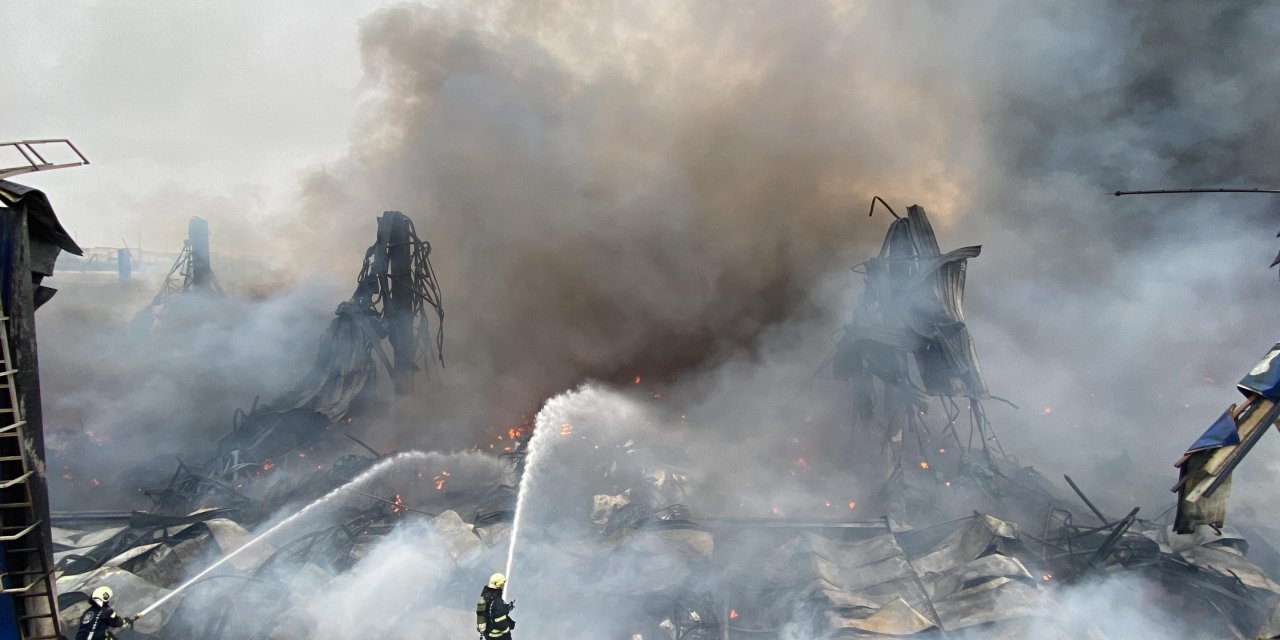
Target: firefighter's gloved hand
x=480, y=630
x=511, y=605
x=128, y=622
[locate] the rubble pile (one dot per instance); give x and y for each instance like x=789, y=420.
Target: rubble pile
x=693, y=575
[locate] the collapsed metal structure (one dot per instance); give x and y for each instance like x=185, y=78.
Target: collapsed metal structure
x=636, y=545
x=191, y=273
x=396, y=295
x=678, y=574
x=907, y=350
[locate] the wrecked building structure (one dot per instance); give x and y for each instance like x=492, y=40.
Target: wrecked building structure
x=31, y=237
x=395, y=298
x=191, y=273
x=636, y=542
x=907, y=350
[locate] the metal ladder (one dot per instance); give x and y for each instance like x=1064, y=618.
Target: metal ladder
x=25, y=574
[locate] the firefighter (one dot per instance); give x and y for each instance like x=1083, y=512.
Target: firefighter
x=493, y=614
x=99, y=618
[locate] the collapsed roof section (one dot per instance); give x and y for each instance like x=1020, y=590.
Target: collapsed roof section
x=907, y=347
x=47, y=236
x=913, y=305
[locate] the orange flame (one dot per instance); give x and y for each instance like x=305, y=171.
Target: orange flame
x=566, y=429
x=924, y=465
x=637, y=379
x=439, y=480
x=398, y=506
x=852, y=504
x=733, y=614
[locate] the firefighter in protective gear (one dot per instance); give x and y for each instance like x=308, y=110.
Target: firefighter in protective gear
x=493, y=614
x=99, y=618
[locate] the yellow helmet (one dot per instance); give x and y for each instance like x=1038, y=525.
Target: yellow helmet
x=103, y=594
x=497, y=581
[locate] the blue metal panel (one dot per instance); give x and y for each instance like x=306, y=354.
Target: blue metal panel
x=1264, y=379
x=8, y=619
x=1221, y=433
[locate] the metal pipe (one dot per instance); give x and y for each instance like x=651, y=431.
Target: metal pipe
x=1158, y=191
x=1080, y=493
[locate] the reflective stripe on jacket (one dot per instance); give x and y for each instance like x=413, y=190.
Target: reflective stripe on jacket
x=494, y=614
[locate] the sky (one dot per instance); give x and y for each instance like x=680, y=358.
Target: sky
x=209, y=109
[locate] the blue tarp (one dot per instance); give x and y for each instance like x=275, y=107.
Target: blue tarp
x=1221, y=434
x=1264, y=380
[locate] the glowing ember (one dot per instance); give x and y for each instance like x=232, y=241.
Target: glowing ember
x=1047, y=577
x=398, y=507
x=268, y=465
x=439, y=480
x=637, y=379
x=924, y=465
x=852, y=504
x=947, y=482
x=733, y=614
x=566, y=429
x=1048, y=409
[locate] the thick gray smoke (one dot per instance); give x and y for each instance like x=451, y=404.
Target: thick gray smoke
x=116, y=397
x=652, y=188
x=674, y=191
x=655, y=190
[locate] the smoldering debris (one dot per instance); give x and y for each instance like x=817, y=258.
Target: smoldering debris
x=628, y=515
x=643, y=549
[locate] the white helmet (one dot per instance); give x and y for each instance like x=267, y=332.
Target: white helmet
x=103, y=594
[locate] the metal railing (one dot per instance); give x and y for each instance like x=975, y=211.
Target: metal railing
x=30, y=150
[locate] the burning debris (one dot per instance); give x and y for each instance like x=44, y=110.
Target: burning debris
x=635, y=546
x=632, y=536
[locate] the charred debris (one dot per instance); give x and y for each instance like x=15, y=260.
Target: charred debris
x=913, y=372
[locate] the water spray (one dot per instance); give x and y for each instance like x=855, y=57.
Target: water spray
x=537, y=445
x=377, y=469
